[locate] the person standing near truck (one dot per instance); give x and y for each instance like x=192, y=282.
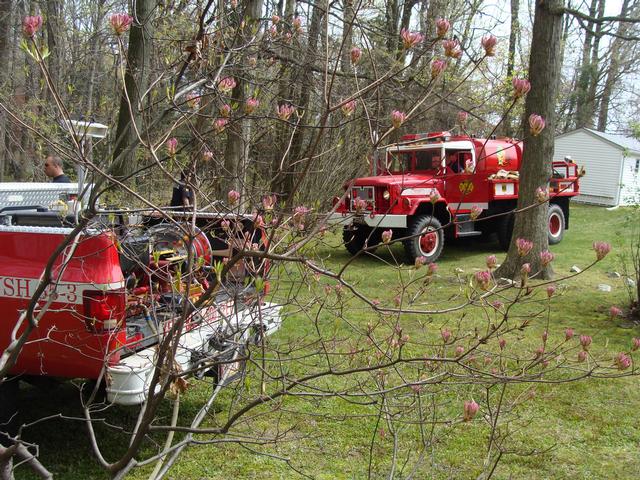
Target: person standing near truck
x=53, y=169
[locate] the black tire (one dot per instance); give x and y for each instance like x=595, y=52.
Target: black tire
x=9, y=391
x=429, y=245
x=505, y=231
x=556, y=224
x=355, y=238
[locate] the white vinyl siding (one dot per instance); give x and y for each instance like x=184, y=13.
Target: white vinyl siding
x=602, y=162
x=630, y=192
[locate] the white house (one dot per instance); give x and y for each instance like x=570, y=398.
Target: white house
x=611, y=162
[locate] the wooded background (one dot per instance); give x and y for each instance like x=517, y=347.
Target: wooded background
x=176, y=46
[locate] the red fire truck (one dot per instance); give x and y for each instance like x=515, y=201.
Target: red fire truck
x=118, y=290
x=434, y=186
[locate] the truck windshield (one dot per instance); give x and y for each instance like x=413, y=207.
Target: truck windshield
x=410, y=161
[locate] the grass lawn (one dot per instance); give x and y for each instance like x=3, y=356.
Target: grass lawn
x=584, y=429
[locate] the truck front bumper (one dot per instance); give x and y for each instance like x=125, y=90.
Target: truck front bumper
x=128, y=381
x=380, y=221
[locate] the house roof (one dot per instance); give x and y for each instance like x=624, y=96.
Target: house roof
x=620, y=141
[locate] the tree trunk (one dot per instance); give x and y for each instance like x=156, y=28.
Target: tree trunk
x=5, y=48
x=235, y=158
x=535, y=170
x=582, y=85
x=613, y=73
x=347, y=34
x=511, y=60
x=136, y=77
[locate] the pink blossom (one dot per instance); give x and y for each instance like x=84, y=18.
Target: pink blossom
x=297, y=24
x=489, y=44
x=615, y=311
x=386, y=236
x=524, y=246
x=348, y=108
x=497, y=304
x=470, y=410
x=636, y=344
x=582, y=356
x=419, y=261
x=251, y=105
x=31, y=25
x=442, y=27
x=398, y=118
x=601, y=249
x=220, y=124
x=459, y=350
x=397, y=300
x=536, y=124
x=546, y=257
x=622, y=361
x=437, y=67
x=545, y=336
x=416, y=388
x=451, y=48
x=551, y=289
x=462, y=117
x=172, y=146
x=435, y=196
x=410, y=39
x=285, y=111
x=120, y=22
x=233, y=196
x=525, y=269
x=226, y=84
x=275, y=19
x=492, y=262
x=356, y=53
x=585, y=341
x=468, y=166
x=268, y=202
x=225, y=110
x=542, y=194
x=475, y=212
x=539, y=352
x=193, y=100
x=258, y=222
x=273, y=31
x=359, y=204
x=445, y=334
x=521, y=87
x=483, y=278
x=502, y=343
x=207, y=155
x=432, y=268
x=568, y=334
x=225, y=224
x=299, y=216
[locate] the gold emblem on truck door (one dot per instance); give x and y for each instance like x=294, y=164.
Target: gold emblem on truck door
x=466, y=187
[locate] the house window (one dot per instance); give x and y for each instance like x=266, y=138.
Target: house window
x=637, y=166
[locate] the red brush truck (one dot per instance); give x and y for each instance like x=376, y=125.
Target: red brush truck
x=119, y=289
x=432, y=186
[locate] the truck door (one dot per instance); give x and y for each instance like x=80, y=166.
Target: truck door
x=459, y=177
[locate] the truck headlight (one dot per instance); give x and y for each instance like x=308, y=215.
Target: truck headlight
x=386, y=195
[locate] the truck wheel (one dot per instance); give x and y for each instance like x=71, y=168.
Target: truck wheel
x=354, y=239
x=505, y=230
x=9, y=391
x=556, y=224
x=427, y=239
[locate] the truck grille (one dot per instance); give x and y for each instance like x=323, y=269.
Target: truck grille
x=363, y=193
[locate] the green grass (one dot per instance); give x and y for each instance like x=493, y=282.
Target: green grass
x=586, y=429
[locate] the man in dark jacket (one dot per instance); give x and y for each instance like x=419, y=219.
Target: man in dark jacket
x=53, y=170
